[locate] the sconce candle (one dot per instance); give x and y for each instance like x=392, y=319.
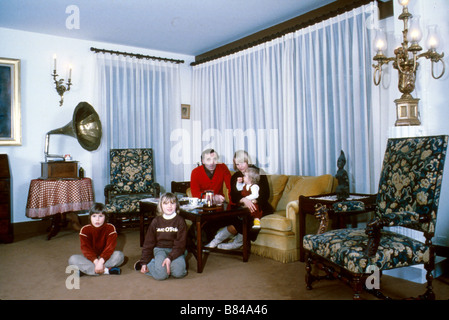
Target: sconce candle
x=59, y=84
x=415, y=30
x=432, y=38
x=380, y=41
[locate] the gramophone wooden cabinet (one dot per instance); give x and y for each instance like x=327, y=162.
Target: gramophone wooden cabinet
x=59, y=169
x=6, y=230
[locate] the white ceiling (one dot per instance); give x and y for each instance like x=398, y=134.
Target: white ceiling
x=187, y=27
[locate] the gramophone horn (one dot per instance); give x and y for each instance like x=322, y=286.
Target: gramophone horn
x=85, y=127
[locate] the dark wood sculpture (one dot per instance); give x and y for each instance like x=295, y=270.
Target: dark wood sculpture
x=342, y=189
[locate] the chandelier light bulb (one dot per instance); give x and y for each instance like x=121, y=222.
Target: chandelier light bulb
x=380, y=41
x=433, y=40
x=415, y=30
x=403, y=3
x=380, y=44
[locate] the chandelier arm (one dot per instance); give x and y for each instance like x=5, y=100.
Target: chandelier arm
x=434, y=57
x=399, y=64
x=442, y=72
x=378, y=71
x=414, y=62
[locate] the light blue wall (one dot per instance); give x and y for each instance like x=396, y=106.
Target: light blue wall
x=40, y=102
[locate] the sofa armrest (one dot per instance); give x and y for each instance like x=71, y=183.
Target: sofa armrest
x=292, y=213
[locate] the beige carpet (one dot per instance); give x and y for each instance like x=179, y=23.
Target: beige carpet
x=34, y=268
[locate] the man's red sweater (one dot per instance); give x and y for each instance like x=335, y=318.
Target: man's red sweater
x=200, y=182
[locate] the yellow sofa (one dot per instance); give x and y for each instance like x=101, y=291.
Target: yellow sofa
x=278, y=238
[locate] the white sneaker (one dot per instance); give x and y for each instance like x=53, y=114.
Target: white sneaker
x=221, y=236
x=213, y=244
x=237, y=243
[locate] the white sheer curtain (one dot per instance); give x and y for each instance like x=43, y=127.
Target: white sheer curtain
x=139, y=103
x=295, y=102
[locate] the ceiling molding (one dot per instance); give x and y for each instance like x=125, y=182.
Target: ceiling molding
x=292, y=25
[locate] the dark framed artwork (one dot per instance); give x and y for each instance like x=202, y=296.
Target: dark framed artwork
x=10, y=119
x=185, y=111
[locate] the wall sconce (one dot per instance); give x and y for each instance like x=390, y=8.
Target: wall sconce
x=406, y=62
x=59, y=84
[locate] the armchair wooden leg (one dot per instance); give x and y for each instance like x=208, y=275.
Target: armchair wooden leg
x=116, y=221
x=309, y=276
x=429, y=294
x=357, y=287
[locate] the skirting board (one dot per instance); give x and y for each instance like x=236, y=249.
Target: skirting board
x=39, y=226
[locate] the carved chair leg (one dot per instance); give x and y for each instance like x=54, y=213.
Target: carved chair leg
x=309, y=276
x=429, y=294
x=115, y=219
x=357, y=287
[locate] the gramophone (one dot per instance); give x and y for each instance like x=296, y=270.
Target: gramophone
x=86, y=128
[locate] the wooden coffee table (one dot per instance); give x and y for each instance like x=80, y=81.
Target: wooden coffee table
x=200, y=217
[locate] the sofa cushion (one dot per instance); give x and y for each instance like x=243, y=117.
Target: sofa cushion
x=305, y=186
x=287, y=194
x=276, y=183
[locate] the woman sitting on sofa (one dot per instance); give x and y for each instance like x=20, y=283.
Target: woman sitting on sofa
x=234, y=227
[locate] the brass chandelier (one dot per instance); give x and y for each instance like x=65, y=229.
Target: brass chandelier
x=406, y=62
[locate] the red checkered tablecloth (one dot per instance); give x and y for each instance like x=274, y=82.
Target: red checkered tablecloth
x=47, y=197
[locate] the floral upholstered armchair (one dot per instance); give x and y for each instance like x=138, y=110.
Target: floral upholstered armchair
x=408, y=196
x=131, y=179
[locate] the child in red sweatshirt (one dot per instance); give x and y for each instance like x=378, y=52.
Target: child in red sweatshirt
x=98, y=241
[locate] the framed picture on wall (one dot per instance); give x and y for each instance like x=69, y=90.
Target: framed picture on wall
x=185, y=111
x=10, y=119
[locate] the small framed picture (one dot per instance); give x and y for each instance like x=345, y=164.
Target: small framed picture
x=185, y=111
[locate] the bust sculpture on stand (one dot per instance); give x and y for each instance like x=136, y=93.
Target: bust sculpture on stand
x=342, y=189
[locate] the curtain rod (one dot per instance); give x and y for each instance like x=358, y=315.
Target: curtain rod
x=136, y=55
x=292, y=25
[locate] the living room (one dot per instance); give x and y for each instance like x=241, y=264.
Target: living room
x=41, y=112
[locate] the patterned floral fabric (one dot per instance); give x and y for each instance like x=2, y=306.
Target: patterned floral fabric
x=132, y=179
x=126, y=203
x=346, y=248
x=348, y=206
x=410, y=181
x=408, y=196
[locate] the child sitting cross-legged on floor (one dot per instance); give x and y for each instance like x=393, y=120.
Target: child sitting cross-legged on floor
x=98, y=241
